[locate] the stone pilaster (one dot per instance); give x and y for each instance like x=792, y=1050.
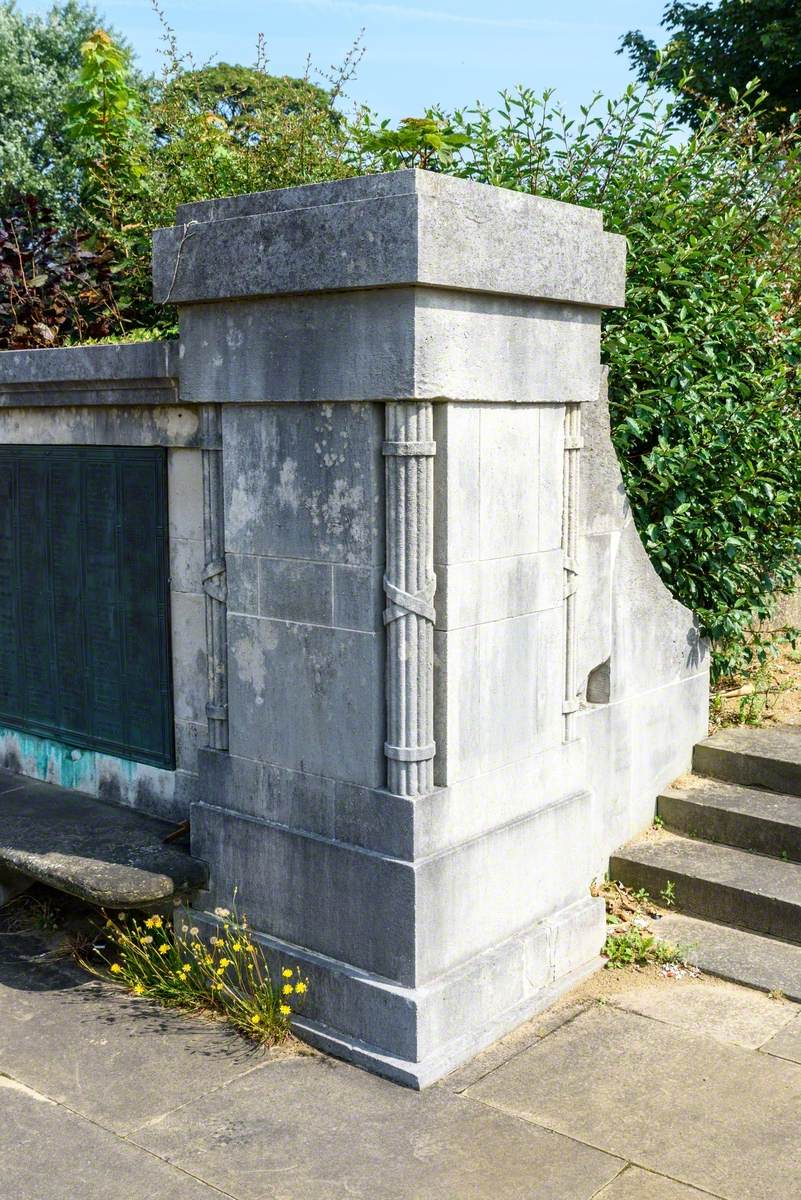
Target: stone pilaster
x=570, y=525
x=214, y=582
x=409, y=584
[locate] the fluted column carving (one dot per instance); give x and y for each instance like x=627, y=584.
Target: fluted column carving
x=409, y=584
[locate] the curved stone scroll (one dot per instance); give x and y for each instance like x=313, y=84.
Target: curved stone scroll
x=409, y=584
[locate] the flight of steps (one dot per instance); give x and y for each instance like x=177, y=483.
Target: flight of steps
x=731, y=847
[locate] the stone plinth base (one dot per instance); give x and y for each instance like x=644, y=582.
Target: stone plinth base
x=415, y=1036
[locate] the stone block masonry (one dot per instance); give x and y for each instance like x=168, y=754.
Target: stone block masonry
x=431, y=678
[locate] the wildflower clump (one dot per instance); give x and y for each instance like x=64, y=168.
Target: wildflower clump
x=225, y=975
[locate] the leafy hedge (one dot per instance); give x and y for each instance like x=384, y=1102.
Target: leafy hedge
x=704, y=359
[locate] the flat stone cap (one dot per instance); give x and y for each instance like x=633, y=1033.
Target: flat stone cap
x=400, y=229
x=149, y=370
x=105, y=854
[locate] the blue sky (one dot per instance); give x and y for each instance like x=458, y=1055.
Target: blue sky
x=446, y=51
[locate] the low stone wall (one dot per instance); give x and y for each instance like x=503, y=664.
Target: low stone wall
x=122, y=396
x=441, y=679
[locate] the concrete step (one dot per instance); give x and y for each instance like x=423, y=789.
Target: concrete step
x=765, y=822
x=718, y=883
x=105, y=854
x=767, y=758
x=736, y=954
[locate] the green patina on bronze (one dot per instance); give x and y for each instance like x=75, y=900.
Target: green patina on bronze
x=84, y=628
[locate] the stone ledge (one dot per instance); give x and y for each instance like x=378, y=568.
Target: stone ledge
x=415, y=228
x=107, y=855
x=131, y=373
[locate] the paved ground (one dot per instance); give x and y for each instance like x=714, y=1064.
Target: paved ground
x=656, y=1091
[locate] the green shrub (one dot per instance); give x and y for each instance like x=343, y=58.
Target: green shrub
x=54, y=287
x=704, y=386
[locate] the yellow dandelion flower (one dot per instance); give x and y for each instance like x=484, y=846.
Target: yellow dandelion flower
x=138, y=990
x=224, y=962
x=237, y=946
x=287, y=973
x=287, y=989
x=115, y=969
x=164, y=948
x=301, y=987
x=255, y=1019
x=285, y=1010
x=154, y=922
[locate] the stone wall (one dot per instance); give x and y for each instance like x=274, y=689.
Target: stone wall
x=122, y=396
x=426, y=673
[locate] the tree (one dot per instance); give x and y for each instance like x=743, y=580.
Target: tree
x=39, y=58
x=724, y=47
x=240, y=96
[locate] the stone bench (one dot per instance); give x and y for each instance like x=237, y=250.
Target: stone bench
x=104, y=854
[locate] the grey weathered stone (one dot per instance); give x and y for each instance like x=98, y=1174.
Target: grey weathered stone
x=623, y=1061
x=98, y=852
x=311, y=891
x=242, y=574
x=737, y=1016
x=122, y=424
x=737, y=954
x=305, y=483
x=358, y=597
x=117, y=1060
x=719, y=883
x=410, y=586
x=75, y=1157
x=139, y=373
x=407, y=1147
x=293, y=590
x=769, y=758
x=189, y=656
x=307, y=697
x=392, y=344
x=422, y=231
x=636, y=1184
x=751, y=818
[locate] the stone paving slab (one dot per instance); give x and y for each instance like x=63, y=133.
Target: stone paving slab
x=719, y=1117
x=114, y=1058
x=634, y=1184
x=722, y=1011
x=315, y=1129
x=787, y=1042
x=48, y=1153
